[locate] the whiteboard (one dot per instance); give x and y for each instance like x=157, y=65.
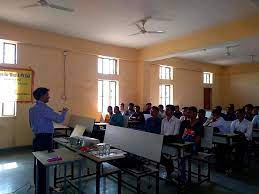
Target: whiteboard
x=140, y=143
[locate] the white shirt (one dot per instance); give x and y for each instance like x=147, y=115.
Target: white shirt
x=245, y=127
x=255, y=121
x=182, y=118
x=170, y=127
x=220, y=123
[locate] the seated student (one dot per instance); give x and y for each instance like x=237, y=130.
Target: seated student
x=153, y=124
x=255, y=122
x=161, y=111
x=231, y=115
x=122, y=108
x=243, y=127
x=217, y=122
x=202, y=116
x=147, y=108
x=139, y=117
x=170, y=127
x=255, y=110
x=248, y=112
x=117, y=118
x=185, y=111
x=221, y=113
x=177, y=112
x=130, y=110
x=107, y=116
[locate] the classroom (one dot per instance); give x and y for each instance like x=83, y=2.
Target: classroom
x=129, y=96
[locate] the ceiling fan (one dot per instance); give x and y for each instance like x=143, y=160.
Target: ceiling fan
x=142, y=30
x=46, y=3
x=228, y=51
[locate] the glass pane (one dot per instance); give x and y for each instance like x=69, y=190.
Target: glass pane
x=167, y=73
x=100, y=65
x=9, y=53
x=9, y=109
x=106, y=66
x=100, y=95
x=211, y=78
x=111, y=66
x=1, y=52
x=112, y=93
x=100, y=103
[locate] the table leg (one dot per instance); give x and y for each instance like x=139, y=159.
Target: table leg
x=119, y=182
x=65, y=178
x=98, y=177
x=47, y=180
x=157, y=182
x=79, y=177
x=189, y=170
x=138, y=185
x=55, y=176
x=36, y=176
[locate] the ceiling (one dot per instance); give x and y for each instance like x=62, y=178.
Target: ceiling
x=239, y=52
x=110, y=21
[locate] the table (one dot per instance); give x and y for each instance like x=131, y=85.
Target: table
x=61, y=127
x=225, y=138
x=255, y=133
x=98, y=160
x=68, y=157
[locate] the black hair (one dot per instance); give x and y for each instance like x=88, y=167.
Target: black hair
x=219, y=108
x=249, y=106
x=116, y=107
x=171, y=107
x=185, y=108
x=160, y=105
x=155, y=108
x=149, y=103
x=202, y=111
x=216, y=111
x=177, y=106
x=131, y=104
x=241, y=110
x=193, y=109
x=39, y=92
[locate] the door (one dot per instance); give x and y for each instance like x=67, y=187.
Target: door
x=207, y=98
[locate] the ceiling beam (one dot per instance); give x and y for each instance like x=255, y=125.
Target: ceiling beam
x=218, y=34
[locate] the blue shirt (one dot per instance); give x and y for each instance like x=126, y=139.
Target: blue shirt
x=153, y=125
x=117, y=120
x=41, y=118
x=256, y=121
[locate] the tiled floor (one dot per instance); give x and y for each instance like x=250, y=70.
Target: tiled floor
x=16, y=170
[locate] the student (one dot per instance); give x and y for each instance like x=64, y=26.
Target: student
x=202, y=116
x=41, y=118
x=147, y=108
x=230, y=116
x=122, y=108
x=255, y=122
x=108, y=115
x=177, y=112
x=117, y=118
x=153, y=124
x=220, y=110
x=217, y=122
x=242, y=127
x=248, y=112
x=139, y=117
x=161, y=111
x=130, y=110
x=170, y=127
x=185, y=114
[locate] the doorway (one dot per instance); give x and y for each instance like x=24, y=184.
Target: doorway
x=207, y=98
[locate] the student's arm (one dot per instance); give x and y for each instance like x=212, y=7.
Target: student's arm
x=232, y=127
x=53, y=116
x=254, y=121
x=162, y=128
x=249, y=131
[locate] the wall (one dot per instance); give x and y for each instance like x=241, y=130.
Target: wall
x=43, y=52
x=187, y=82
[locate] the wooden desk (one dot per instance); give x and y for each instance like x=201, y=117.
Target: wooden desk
x=61, y=127
x=68, y=157
x=225, y=138
x=93, y=157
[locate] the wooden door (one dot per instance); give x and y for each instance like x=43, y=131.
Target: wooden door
x=207, y=98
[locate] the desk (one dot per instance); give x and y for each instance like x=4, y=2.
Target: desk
x=61, y=127
x=98, y=160
x=225, y=138
x=68, y=157
x=255, y=133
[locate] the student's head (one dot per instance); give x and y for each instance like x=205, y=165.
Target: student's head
x=255, y=110
x=215, y=114
x=219, y=108
x=154, y=111
x=148, y=106
x=177, y=108
x=249, y=108
x=122, y=106
x=116, y=109
x=131, y=106
x=232, y=106
x=230, y=110
x=161, y=107
x=109, y=110
x=41, y=94
x=137, y=108
x=240, y=114
x=193, y=112
x=201, y=113
x=169, y=111
x=185, y=111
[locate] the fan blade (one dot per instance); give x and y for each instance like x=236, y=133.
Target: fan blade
x=60, y=7
x=140, y=27
x=135, y=34
x=32, y=5
x=156, y=32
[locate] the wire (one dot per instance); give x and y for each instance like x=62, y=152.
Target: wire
x=19, y=188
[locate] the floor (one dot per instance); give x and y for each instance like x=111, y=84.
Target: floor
x=16, y=172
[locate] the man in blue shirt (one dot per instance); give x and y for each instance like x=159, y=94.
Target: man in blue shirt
x=41, y=118
x=117, y=118
x=153, y=124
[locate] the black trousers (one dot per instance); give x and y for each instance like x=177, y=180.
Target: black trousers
x=41, y=142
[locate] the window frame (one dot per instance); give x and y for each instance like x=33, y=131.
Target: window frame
x=208, y=78
x=165, y=68
x=3, y=45
x=162, y=100
x=115, y=65
x=3, y=107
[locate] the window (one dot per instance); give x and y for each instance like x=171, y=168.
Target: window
x=7, y=52
x=8, y=109
x=207, y=78
x=165, y=94
x=107, y=65
x=165, y=72
x=107, y=94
